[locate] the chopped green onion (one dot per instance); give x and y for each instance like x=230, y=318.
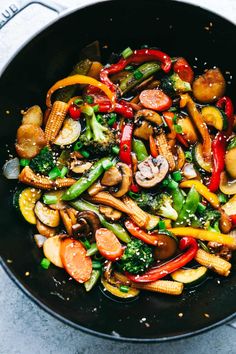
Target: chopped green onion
x=64, y=171
x=92, y=250
x=203, y=246
x=54, y=173
x=115, y=150
x=133, y=195
x=178, y=129
x=124, y=288
x=144, y=46
x=24, y=162
x=49, y=199
x=222, y=198
x=85, y=153
x=177, y=176
x=165, y=182
x=88, y=110
x=86, y=244
x=112, y=120
x=45, y=263
x=137, y=74
x=99, y=118
x=232, y=143
x=96, y=265
x=127, y=53
x=107, y=165
x=172, y=109
x=129, y=68
x=201, y=208
x=161, y=225
x=78, y=101
x=175, y=118
x=96, y=108
x=188, y=156
x=78, y=145
x=89, y=99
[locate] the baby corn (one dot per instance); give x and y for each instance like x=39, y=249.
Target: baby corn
x=162, y=286
x=27, y=176
x=164, y=150
x=215, y=263
x=55, y=120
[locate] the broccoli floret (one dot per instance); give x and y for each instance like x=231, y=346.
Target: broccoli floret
x=157, y=204
x=43, y=163
x=137, y=257
x=173, y=84
x=97, y=137
x=210, y=219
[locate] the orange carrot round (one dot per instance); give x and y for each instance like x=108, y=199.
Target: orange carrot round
x=108, y=244
x=155, y=99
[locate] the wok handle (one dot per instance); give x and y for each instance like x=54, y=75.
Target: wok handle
x=18, y=5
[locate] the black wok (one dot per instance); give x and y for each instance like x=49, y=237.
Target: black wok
x=178, y=29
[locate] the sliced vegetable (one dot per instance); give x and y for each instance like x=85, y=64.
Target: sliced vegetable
x=39, y=240
x=74, y=259
x=226, y=186
x=215, y=263
x=11, y=168
x=203, y=190
x=33, y=115
x=155, y=99
x=30, y=140
x=230, y=165
x=95, y=275
x=189, y=276
x=27, y=200
x=45, y=230
x=108, y=244
x=52, y=249
x=139, y=149
x=198, y=158
x=69, y=133
x=151, y=171
x=183, y=69
x=188, y=130
x=149, y=238
x=115, y=290
x=166, y=246
x=46, y=215
x=230, y=207
x=214, y=117
x=189, y=207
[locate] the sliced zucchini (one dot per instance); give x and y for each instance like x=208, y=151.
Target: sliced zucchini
x=215, y=117
x=69, y=133
x=189, y=276
x=27, y=200
x=152, y=222
x=198, y=158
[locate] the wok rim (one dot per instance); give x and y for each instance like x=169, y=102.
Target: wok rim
x=25, y=288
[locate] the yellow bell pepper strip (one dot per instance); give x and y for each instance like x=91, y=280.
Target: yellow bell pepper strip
x=196, y=116
x=114, y=290
x=80, y=79
x=205, y=235
x=203, y=190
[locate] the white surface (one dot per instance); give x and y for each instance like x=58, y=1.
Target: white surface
x=26, y=329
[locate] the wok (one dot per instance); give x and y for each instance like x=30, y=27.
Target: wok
x=178, y=29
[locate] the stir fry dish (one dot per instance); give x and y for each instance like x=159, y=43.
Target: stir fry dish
x=129, y=174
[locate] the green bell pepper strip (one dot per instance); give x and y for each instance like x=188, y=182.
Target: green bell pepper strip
x=95, y=275
x=189, y=207
x=139, y=149
x=117, y=229
x=176, y=194
x=87, y=180
x=146, y=70
x=66, y=93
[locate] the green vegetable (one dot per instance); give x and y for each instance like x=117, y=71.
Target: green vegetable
x=63, y=158
x=78, y=145
x=173, y=85
x=210, y=219
x=139, y=149
x=177, y=177
x=189, y=208
x=84, y=153
x=115, y=150
x=214, y=227
x=201, y=208
x=89, y=99
x=203, y=246
x=117, y=229
x=96, y=108
x=188, y=156
x=86, y=244
x=152, y=222
x=232, y=143
x=107, y=165
x=176, y=194
x=127, y=53
x=112, y=119
x=198, y=158
x=54, y=173
x=85, y=181
x=97, y=265
x=124, y=288
x=89, y=284
x=137, y=257
x=92, y=250
x=42, y=163
x=24, y=162
x=162, y=225
x=66, y=93
x=178, y=128
x=222, y=198
x=147, y=70
x=64, y=171
x=189, y=276
x=97, y=137
x=45, y=263
x=49, y=199
x=215, y=117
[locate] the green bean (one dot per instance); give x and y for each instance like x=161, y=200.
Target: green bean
x=117, y=229
x=66, y=93
x=146, y=70
x=92, y=250
x=139, y=149
x=86, y=181
x=89, y=284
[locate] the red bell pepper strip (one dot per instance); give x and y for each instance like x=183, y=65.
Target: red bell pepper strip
x=126, y=144
x=219, y=143
x=153, y=146
x=138, y=56
x=233, y=220
x=168, y=116
x=134, y=230
x=184, y=70
x=159, y=272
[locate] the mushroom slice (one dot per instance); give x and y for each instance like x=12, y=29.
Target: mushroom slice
x=110, y=213
x=149, y=115
x=33, y=115
x=126, y=180
x=230, y=207
x=45, y=230
x=112, y=177
x=144, y=130
x=95, y=188
x=69, y=133
x=80, y=166
x=151, y=171
x=46, y=215
x=93, y=224
x=226, y=186
x=51, y=250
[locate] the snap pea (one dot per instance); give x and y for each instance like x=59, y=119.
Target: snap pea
x=92, y=250
x=117, y=229
x=87, y=180
x=189, y=208
x=176, y=194
x=145, y=70
x=89, y=284
x=139, y=149
x=66, y=93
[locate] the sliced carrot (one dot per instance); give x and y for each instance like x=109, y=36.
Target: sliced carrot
x=108, y=244
x=153, y=146
x=168, y=116
x=149, y=238
x=75, y=261
x=155, y=99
